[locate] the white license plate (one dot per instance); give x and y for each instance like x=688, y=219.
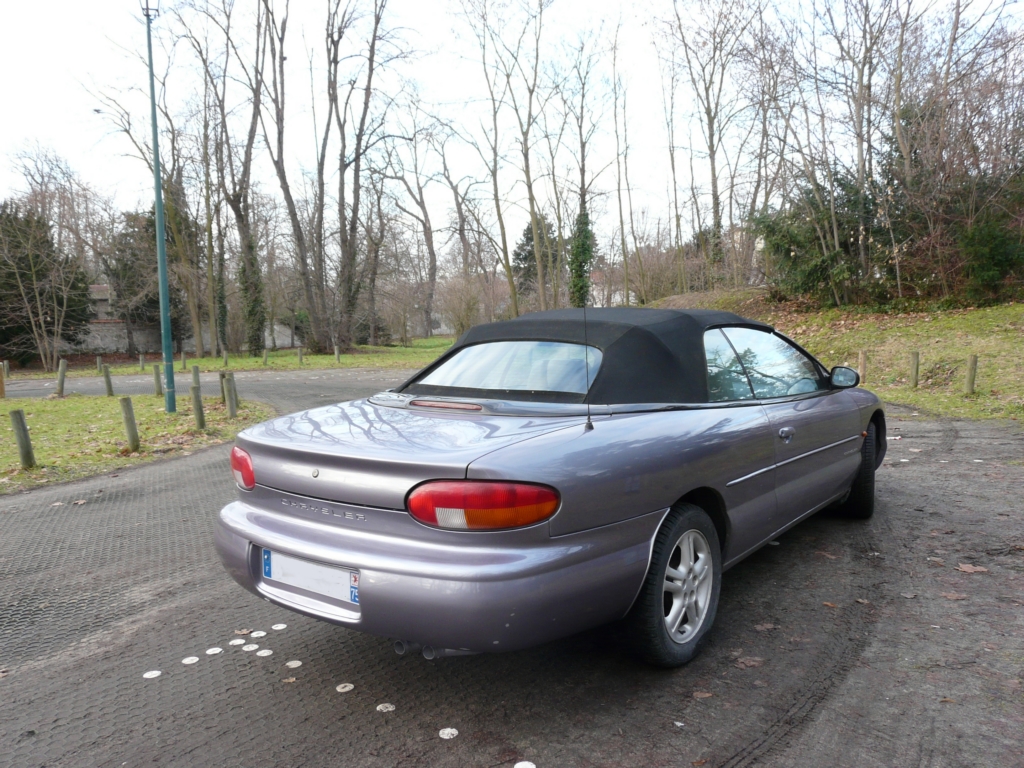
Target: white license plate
x=339, y=583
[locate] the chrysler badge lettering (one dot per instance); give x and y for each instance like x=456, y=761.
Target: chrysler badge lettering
x=324, y=510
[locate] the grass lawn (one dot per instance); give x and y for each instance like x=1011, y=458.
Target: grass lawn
x=419, y=354
x=80, y=435
x=944, y=340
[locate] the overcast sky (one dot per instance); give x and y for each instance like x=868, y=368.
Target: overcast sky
x=56, y=55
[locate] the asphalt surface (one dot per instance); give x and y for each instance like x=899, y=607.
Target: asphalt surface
x=847, y=643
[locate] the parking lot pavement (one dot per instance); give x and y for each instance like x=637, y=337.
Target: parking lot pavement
x=846, y=643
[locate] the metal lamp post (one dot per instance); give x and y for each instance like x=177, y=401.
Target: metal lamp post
x=150, y=12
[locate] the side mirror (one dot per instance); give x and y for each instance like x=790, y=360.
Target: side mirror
x=843, y=377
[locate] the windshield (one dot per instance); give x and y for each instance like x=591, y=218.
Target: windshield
x=515, y=369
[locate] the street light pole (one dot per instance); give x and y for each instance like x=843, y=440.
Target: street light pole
x=170, y=404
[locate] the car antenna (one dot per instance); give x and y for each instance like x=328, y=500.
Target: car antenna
x=586, y=361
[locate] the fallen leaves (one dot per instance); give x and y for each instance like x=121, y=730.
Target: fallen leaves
x=79, y=503
x=702, y=695
x=766, y=627
x=749, y=662
x=953, y=595
x=242, y=631
x=699, y=762
x=57, y=504
x=288, y=680
x=862, y=601
x=908, y=595
x=826, y=554
x=947, y=700
x=830, y=605
x=967, y=568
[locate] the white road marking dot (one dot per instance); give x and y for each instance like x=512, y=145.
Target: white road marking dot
x=264, y=652
x=237, y=641
x=385, y=707
x=524, y=764
x=214, y=651
x=344, y=688
x=250, y=647
x=258, y=634
x=293, y=664
x=678, y=724
x=190, y=660
x=448, y=733
x=279, y=626
x=156, y=673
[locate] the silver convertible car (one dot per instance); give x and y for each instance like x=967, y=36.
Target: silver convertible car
x=548, y=475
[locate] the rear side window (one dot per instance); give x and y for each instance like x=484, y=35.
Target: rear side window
x=776, y=368
x=518, y=366
x=726, y=379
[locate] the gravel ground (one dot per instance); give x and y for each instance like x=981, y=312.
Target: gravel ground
x=847, y=643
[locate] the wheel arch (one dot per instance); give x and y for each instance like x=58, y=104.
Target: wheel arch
x=713, y=504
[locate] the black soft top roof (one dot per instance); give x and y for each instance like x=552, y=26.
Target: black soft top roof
x=650, y=355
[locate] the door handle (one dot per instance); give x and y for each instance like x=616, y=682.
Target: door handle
x=786, y=433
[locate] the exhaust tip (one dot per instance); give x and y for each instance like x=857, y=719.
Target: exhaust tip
x=403, y=647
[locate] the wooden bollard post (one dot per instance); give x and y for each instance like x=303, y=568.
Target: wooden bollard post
x=232, y=394
x=130, y=430
x=99, y=363
x=62, y=371
x=7, y=369
x=158, y=387
x=3, y=380
x=915, y=367
x=862, y=366
x=223, y=392
x=184, y=366
x=142, y=363
x=337, y=355
x=197, y=407
x=195, y=375
x=300, y=355
x=265, y=355
x=225, y=358
x=28, y=459
x=972, y=373
x=107, y=382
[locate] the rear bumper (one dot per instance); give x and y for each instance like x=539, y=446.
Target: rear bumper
x=482, y=592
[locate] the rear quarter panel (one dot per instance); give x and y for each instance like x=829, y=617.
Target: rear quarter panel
x=633, y=464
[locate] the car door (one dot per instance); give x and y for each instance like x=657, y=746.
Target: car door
x=749, y=491
x=816, y=429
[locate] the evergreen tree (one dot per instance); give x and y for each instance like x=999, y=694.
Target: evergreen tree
x=581, y=254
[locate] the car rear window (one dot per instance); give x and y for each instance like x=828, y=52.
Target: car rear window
x=517, y=368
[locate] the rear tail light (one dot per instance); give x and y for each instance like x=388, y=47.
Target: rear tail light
x=241, y=468
x=481, y=505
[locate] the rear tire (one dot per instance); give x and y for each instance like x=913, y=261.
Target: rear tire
x=679, y=598
x=860, y=504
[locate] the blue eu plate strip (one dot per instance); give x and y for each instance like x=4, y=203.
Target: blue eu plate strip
x=266, y=564
x=353, y=593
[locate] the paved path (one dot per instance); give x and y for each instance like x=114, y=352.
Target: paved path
x=94, y=595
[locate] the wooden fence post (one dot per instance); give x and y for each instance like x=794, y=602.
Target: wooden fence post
x=106, y=381
x=130, y=430
x=28, y=459
x=142, y=362
x=915, y=367
x=265, y=355
x=862, y=365
x=232, y=394
x=62, y=370
x=158, y=387
x=223, y=391
x=195, y=375
x=225, y=358
x=197, y=407
x=99, y=363
x=300, y=355
x=972, y=373
x=184, y=367
x=7, y=369
x=337, y=355
x=3, y=379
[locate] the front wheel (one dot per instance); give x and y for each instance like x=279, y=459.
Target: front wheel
x=860, y=504
x=677, y=603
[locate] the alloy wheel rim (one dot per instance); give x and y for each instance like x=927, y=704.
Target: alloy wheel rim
x=689, y=578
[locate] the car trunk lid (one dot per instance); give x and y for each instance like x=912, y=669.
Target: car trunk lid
x=371, y=455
